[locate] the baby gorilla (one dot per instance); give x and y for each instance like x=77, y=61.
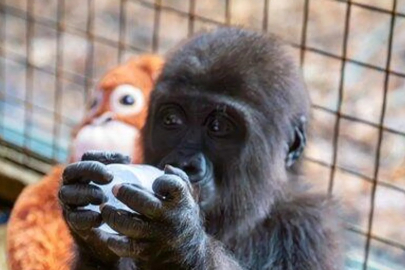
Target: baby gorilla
x=229, y=110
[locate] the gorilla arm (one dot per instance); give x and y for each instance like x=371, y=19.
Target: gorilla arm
x=169, y=233
x=302, y=234
x=299, y=234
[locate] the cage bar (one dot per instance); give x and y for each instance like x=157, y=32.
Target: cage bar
x=25, y=156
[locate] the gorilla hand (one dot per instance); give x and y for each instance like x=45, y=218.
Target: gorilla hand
x=167, y=228
x=76, y=192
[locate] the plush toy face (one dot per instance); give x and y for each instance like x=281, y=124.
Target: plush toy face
x=119, y=109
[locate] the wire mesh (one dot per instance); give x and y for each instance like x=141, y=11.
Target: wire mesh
x=135, y=26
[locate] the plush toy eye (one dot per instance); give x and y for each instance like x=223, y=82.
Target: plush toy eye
x=95, y=102
x=127, y=99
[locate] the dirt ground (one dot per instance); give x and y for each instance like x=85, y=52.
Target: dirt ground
x=3, y=264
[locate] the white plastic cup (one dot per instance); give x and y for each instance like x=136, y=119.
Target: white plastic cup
x=143, y=175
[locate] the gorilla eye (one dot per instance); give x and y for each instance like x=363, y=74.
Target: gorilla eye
x=172, y=120
x=127, y=100
x=171, y=116
x=220, y=127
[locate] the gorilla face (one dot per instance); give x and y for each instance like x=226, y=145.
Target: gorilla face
x=229, y=117
x=199, y=135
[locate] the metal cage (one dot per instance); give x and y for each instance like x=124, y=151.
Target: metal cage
x=351, y=52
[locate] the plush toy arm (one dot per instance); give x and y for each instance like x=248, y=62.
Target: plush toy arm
x=37, y=235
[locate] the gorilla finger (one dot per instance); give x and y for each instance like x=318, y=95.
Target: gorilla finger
x=86, y=171
x=123, y=246
x=106, y=157
x=99, y=235
x=81, y=195
x=171, y=187
x=180, y=173
x=124, y=222
x=169, y=169
x=138, y=199
x=81, y=220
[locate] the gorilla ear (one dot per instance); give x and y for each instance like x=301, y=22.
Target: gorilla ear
x=299, y=141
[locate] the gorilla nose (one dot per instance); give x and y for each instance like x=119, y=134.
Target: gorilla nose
x=194, y=167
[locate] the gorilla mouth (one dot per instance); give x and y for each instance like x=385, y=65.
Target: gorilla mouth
x=201, y=179
x=198, y=175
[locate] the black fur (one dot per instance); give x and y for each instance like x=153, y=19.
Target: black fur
x=230, y=109
x=259, y=211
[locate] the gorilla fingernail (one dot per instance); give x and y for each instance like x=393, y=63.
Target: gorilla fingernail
x=116, y=189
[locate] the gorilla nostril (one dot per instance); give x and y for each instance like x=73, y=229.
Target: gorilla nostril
x=191, y=170
x=195, y=172
x=194, y=165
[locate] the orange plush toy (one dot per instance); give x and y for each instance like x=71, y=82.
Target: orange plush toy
x=37, y=236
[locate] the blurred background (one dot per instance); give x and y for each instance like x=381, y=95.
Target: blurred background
x=352, y=55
